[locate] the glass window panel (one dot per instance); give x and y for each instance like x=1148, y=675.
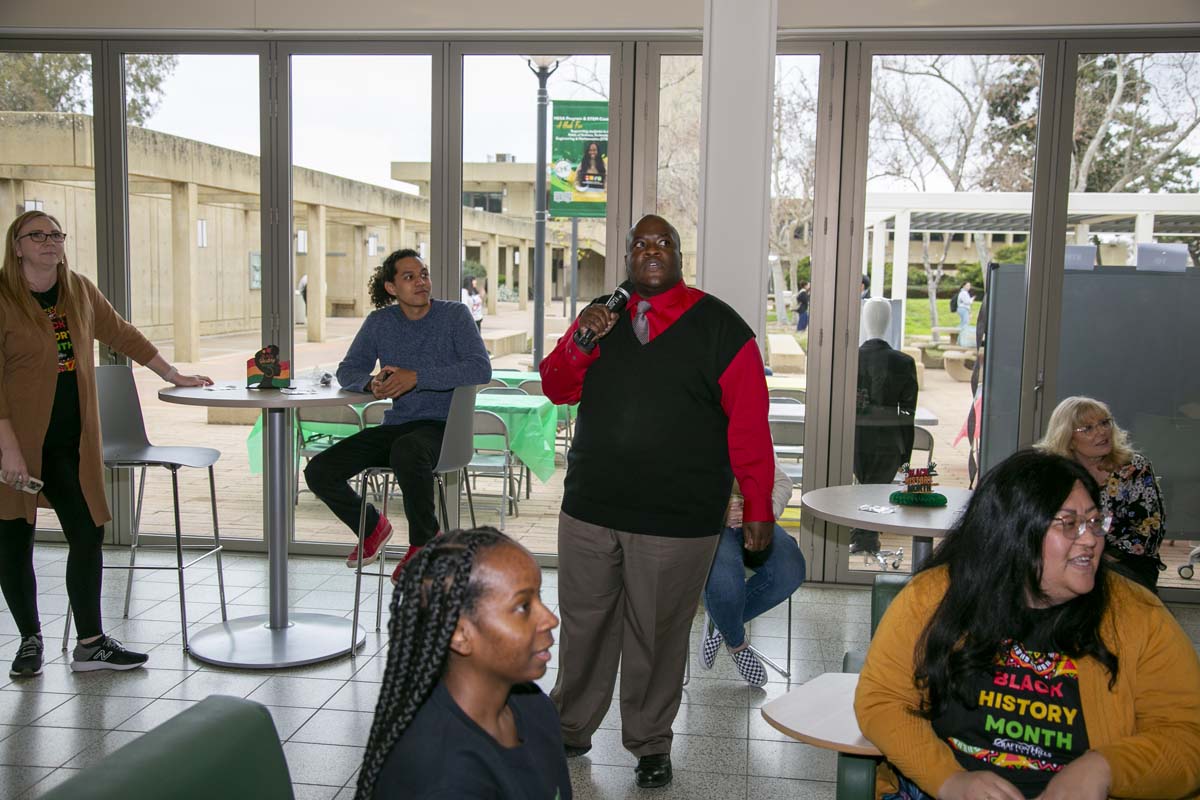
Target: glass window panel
x=46, y=160
x=950, y=164
x=789, y=292
x=678, y=182
x=192, y=137
x=1132, y=281
x=360, y=188
x=499, y=162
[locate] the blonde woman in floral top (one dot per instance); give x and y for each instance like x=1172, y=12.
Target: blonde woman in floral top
x=1083, y=429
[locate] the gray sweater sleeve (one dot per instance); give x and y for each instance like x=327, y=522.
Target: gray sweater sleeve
x=470, y=364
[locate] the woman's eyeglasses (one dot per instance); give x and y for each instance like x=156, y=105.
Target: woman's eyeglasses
x=1096, y=427
x=1073, y=527
x=58, y=237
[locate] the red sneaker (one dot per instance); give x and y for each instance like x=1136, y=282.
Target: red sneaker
x=412, y=551
x=374, y=544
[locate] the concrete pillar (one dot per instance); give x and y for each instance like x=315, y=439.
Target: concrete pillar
x=526, y=253
x=735, y=157
x=903, y=225
x=8, y=202
x=358, y=246
x=879, y=240
x=397, y=236
x=1083, y=233
x=504, y=271
x=316, y=273
x=184, y=297
x=492, y=253
x=1143, y=233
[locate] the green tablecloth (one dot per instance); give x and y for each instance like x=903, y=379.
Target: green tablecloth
x=531, y=421
x=515, y=377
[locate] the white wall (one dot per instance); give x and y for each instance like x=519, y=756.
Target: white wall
x=572, y=15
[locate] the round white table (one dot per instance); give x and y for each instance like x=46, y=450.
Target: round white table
x=277, y=639
x=840, y=505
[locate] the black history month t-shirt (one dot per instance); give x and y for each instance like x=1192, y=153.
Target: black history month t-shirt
x=64, y=414
x=1028, y=721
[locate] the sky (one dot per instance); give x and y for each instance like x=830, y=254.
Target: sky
x=354, y=115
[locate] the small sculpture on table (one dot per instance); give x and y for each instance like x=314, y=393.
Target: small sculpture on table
x=266, y=371
x=918, y=488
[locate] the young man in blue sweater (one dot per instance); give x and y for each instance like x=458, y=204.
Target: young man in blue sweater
x=425, y=348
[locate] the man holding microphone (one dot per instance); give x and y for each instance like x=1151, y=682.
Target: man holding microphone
x=672, y=406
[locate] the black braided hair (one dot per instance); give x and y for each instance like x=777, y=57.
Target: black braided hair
x=434, y=589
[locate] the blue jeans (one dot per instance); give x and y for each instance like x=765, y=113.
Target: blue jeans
x=964, y=322
x=732, y=600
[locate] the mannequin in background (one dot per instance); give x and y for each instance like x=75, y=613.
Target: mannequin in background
x=886, y=402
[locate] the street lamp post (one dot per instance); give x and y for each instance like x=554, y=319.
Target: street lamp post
x=543, y=67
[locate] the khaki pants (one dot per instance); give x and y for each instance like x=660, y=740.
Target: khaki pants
x=628, y=599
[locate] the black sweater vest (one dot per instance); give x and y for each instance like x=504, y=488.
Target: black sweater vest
x=650, y=452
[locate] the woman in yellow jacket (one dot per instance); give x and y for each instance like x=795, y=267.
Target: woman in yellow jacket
x=1016, y=665
x=50, y=318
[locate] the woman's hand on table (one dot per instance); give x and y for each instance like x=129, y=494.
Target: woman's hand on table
x=13, y=468
x=1086, y=778
x=978, y=786
x=188, y=381
x=391, y=382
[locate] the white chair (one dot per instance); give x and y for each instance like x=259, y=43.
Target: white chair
x=126, y=445
x=495, y=462
x=310, y=443
x=923, y=440
x=789, y=443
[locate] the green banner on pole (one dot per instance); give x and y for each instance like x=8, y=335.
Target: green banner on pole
x=579, y=159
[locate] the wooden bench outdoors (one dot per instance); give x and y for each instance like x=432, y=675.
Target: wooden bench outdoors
x=784, y=353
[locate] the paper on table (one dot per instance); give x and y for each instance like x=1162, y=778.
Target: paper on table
x=877, y=509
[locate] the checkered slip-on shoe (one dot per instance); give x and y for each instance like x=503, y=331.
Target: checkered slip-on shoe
x=710, y=644
x=751, y=669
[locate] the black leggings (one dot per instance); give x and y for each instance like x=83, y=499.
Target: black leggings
x=60, y=472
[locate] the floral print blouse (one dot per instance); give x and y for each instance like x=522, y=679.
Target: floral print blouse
x=1131, y=495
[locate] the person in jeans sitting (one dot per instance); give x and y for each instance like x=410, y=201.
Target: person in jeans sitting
x=732, y=600
x=425, y=348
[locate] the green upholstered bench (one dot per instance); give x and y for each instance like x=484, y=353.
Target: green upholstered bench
x=220, y=747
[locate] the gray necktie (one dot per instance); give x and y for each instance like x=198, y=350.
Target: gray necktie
x=641, y=326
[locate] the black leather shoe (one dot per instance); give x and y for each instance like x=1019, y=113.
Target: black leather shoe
x=574, y=752
x=653, y=771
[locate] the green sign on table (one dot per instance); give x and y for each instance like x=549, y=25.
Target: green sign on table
x=579, y=156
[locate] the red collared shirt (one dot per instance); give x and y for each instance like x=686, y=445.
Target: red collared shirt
x=743, y=395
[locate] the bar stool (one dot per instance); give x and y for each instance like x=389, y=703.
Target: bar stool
x=126, y=445
x=456, y=451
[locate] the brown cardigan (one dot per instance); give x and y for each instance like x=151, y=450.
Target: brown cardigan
x=29, y=377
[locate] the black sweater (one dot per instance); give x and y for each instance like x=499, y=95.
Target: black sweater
x=650, y=451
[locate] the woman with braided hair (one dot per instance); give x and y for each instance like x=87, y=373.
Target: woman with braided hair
x=458, y=714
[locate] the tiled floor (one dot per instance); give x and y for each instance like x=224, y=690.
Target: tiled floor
x=59, y=723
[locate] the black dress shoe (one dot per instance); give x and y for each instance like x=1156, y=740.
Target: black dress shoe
x=653, y=771
x=574, y=752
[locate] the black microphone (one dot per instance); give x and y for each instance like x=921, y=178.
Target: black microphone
x=585, y=337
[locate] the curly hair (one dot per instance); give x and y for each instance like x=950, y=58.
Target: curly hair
x=386, y=273
x=435, y=588
x=1069, y=415
x=994, y=558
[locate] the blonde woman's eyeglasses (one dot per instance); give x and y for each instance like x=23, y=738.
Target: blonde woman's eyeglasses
x=58, y=237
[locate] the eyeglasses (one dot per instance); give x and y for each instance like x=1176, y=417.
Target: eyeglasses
x=1096, y=427
x=1073, y=527
x=58, y=237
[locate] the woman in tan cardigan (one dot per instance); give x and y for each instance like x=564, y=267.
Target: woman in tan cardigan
x=1015, y=664
x=50, y=430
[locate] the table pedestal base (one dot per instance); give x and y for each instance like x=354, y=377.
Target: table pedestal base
x=249, y=643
